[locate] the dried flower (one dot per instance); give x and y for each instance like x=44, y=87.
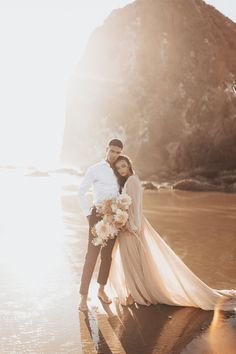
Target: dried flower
x=114, y=216
x=121, y=216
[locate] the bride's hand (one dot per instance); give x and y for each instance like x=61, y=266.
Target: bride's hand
x=125, y=229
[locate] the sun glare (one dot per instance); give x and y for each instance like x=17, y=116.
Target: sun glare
x=32, y=245
x=41, y=43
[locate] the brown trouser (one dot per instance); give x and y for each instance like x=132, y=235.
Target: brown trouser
x=91, y=258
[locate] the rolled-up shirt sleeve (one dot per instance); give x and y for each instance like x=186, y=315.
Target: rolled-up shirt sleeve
x=83, y=188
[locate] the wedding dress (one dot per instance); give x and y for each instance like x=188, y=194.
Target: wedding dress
x=147, y=269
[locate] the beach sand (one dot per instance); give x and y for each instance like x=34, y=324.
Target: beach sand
x=42, y=247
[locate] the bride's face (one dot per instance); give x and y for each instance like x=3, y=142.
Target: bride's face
x=122, y=168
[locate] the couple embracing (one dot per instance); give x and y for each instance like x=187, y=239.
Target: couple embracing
x=141, y=267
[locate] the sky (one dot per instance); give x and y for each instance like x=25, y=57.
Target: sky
x=41, y=43
x=227, y=7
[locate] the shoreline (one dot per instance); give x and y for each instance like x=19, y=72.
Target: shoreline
x=199, y=181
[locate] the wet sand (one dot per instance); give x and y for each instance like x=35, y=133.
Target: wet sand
x=42, y=246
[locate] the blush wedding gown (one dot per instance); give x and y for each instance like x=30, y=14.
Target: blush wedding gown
x=146, y=268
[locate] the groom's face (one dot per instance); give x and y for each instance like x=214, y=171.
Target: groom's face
x=112, y=153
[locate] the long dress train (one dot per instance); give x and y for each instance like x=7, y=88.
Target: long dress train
x=146, y=268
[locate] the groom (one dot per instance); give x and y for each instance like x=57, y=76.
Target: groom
x=105, y=186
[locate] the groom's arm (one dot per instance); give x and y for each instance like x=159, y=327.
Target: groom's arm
x=83, y=188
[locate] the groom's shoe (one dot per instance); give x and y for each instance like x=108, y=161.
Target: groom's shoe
x=104, y=298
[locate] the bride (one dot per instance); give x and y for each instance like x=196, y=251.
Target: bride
x=145, y=269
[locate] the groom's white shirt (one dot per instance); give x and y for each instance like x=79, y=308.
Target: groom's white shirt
x=103, y=180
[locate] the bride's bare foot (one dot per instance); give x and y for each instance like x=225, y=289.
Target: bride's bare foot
x=83, y=303
x=129, y=300
x=103, y=296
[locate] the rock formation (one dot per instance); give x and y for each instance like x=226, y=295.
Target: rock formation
x=159, y=74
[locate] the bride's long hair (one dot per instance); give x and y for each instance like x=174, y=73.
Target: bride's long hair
x=122, y=180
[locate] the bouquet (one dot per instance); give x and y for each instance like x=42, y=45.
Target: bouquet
x=114, y=216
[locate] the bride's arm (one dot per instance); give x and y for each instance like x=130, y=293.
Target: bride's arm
x=134, y=190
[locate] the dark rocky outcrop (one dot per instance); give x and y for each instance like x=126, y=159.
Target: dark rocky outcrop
x=159, y=75
x=194, y=185
x=149, y=185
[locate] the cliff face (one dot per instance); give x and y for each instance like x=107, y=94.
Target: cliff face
x=159, y=75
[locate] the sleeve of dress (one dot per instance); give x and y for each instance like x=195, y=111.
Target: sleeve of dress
x=83, y=188
x=134, y=190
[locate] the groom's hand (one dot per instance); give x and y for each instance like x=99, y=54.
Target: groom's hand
x=88, y=217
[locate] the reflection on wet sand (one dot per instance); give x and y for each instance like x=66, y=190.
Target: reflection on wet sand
x=157, y=329
x=139, y=329
x=43, y=240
